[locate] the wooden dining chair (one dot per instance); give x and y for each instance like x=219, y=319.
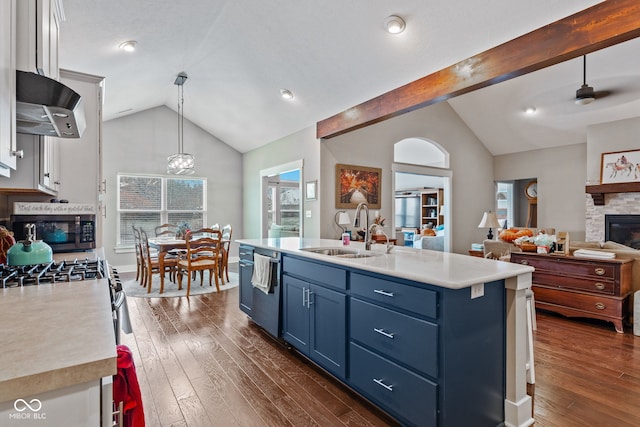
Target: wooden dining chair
x=226, y=244
x=137, y=243
x=166, y=230
x=204, y=249
x=151, y=262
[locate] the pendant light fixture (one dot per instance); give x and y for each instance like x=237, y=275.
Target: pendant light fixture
x=181, y=163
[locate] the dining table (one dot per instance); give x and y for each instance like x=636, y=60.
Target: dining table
x=166, y=244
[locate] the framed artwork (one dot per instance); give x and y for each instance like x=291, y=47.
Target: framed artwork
x=310, y=190
x=355, y=184
x=620, y=166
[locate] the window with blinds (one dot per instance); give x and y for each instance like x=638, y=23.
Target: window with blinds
x=147, y=201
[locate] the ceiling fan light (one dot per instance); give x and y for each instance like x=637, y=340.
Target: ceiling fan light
x=585, y=95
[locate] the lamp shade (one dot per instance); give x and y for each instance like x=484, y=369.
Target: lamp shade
x=489, y=220
x=343, y=218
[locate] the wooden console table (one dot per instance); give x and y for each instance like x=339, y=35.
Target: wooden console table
x=580, y=287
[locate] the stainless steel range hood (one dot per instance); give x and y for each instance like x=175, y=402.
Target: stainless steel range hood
x=47, y=107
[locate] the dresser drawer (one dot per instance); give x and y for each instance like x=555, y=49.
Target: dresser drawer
x=586, y=284
x=402, y=392
x=315, y=272
x=406, y=339
x=598, y=304
x=595, y=269
x=397, y=295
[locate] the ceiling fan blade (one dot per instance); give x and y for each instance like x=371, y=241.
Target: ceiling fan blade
x=603, y=93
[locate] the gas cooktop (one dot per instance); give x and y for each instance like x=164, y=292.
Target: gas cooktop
x=53, y=272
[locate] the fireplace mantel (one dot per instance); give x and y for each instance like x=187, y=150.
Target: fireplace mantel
x=598, y=191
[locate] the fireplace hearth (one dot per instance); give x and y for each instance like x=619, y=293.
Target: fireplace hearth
x=623, y=229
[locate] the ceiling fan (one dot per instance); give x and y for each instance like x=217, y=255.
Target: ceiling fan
x=586, y=94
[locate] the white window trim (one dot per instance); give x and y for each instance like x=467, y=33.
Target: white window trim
x=128, y=248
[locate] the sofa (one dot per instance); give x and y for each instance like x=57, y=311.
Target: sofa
x=430, y=239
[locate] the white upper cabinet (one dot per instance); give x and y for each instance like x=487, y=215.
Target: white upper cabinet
x=37, y=36
x=7, y=87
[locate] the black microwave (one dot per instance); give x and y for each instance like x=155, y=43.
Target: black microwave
x=64, y=233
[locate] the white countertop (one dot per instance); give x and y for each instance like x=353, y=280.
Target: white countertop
x=444, y=269
x=54, y=336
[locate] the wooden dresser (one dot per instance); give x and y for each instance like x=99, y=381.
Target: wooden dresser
x=580, y=287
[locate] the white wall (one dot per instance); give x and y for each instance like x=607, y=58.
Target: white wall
x=302, y=145
x=141, y=142
x=471, y=166
x=609, y=137
x=561, y=184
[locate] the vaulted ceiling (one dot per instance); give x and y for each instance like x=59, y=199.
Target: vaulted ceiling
x=333, y=55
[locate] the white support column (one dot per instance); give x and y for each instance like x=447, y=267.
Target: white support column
x=517, y=405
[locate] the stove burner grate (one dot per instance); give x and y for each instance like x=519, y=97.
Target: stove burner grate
x=53, y=272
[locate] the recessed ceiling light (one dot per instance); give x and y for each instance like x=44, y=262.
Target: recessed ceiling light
x=128, y=46
x=530, y=110
x=286, y=93
x=394, y=24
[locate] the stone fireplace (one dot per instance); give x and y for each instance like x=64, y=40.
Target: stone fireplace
x=616, y=204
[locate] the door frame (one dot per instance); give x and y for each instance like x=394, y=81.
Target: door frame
x=447, y=176
x=265, y=174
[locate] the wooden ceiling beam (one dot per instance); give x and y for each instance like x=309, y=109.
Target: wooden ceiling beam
x=600, y=26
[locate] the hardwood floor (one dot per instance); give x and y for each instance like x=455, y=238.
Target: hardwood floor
x=201, y=362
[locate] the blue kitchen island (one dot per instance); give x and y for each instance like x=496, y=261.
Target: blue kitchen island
x=432, y=338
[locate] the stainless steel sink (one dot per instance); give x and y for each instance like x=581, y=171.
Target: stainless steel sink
x=360, y=255
x=339, y=252
x=331, y=251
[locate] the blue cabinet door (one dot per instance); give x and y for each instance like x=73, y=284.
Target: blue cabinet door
x=328, y=323
x=295, y=313
x=246, y=288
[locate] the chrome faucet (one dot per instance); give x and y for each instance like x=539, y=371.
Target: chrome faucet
x=356, y=224
x=379, y=227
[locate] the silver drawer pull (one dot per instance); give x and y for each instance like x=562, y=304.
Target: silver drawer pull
x=381, y=292
x=599, y=286
x=382, y=332
x=380, y=383
x=600, y=306
x=600, y=271
x=524, y=262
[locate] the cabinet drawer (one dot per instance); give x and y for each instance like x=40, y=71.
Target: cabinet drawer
x=586, y=284
x=246, y=252
x=407, y=339
x=319, y=273
x=595, y=269
x=398, y=390
x=599, y=304
x=397, y=295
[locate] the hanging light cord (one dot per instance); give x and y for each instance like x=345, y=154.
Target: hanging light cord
x=181, y=119
x=584, y=70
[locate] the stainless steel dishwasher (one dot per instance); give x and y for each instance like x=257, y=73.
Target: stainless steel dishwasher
x=264, y=309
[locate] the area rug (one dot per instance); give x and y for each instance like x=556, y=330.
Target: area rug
x=132, y=287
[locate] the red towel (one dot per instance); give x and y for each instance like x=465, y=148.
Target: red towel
x=127, y=390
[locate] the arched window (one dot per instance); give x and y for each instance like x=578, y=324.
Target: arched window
x=420, y=151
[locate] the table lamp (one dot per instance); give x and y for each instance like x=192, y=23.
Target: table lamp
x=489, y=220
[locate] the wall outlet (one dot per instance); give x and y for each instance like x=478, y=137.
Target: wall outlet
x=477, y=291
x=308, y=214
